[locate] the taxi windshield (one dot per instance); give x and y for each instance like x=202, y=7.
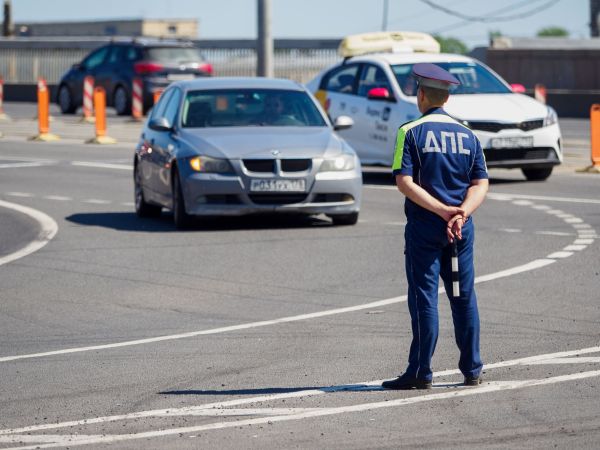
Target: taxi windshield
x=474, y=79
x=250, y=107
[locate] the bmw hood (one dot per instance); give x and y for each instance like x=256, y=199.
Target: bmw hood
x=510, y=108
x=263, y=142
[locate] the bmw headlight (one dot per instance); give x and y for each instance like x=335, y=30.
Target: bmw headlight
x=345, y=161
x=551, y=118
x=210, y=165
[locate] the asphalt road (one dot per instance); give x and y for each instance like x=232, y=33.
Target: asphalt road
x=275, y=332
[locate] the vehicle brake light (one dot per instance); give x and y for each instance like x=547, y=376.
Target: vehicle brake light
x=206, y=67
x=144, y=67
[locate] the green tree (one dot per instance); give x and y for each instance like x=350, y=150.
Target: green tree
x=451, y=45
x=553, y=32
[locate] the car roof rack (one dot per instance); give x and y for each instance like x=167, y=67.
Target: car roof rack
x=387, y=42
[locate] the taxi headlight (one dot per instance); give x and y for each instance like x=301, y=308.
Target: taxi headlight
x=210, y=165
x=551, y=117
x=343, y=162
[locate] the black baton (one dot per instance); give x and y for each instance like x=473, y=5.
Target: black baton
x=455, y=274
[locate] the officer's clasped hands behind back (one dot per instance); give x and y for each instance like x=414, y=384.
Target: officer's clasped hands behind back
x=439, y=166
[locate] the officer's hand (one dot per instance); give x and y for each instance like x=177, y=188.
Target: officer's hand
x=454, y=228
x=451, y=211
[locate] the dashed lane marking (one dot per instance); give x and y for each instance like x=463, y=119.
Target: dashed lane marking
x=48, y=229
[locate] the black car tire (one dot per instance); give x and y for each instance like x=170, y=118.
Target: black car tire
x=345, y=219
x=537, y=174
x=181, y=218
x=65, y=100
x=142, y=208
x=121, y=101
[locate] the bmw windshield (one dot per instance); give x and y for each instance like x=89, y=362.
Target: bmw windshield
x=250, y=107
x=474, y=79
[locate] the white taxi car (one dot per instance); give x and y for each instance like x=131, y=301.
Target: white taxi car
x=378, y=92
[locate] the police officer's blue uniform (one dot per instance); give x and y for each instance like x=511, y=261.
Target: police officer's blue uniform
x=443, y=157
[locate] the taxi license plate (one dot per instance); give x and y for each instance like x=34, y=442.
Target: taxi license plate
x=278, y=185
x=511, y=142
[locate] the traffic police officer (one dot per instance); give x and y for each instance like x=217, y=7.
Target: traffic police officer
x=440, y=168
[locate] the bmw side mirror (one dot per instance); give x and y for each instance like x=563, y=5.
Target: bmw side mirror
x=343, y=123
x=160, y=124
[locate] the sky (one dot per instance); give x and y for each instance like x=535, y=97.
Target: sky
x=222, y=19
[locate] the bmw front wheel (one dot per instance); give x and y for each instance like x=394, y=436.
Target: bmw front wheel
x=181, y=218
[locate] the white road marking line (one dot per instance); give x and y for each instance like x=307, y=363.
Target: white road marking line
x=100, y=165
x=544, y=198
x=59, y=198
x=586, y=231
x=546, y=358
x=554, y=233
x=573, y=220
x=127, y=204
x=96, y=201
x=25, y=164
x=20, y=194
x=565, y=216
x=574, y=248
x=560, y=255
x=578, y=360
x=536, y=264
x=541, y=207
x=507, y=197
x=511, y=230
x=48, y=230
x=580, y=226
x=555, y=212
x=395, y=224
x=583, y=241
x=522, y=203
x=488, y=387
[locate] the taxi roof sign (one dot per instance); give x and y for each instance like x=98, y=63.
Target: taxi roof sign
x=388, y=41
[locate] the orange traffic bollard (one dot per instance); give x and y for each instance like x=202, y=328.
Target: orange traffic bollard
x=595, y=134
x=3, y=115
x=88, y=103
x=100, y=112
x=539, y=92
x=157, y=95
x=137, y=101
x=43, y=96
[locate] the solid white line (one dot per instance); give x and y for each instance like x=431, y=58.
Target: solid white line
x=578, y=360
x=488, y=387
x=536, y=264
x=522, y=203
x=47, y=232
x=546, y=358
x=102, y=165
x=510, y=230
x=574, y=220
x=583, y=241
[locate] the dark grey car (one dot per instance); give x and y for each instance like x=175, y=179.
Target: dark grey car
x=233, y=146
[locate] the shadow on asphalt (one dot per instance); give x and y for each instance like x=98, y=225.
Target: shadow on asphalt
x=282, y=390
x=128, y=221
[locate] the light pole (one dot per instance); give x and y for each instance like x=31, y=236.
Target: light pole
x=7, y=29
x=264, y=44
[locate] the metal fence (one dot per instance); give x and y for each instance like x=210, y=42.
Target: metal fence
x=23, y=60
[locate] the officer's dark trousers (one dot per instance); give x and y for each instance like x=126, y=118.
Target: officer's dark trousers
x=428, y=256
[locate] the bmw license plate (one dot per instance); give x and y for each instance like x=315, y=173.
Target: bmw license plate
x=511, y=142
x=278, y=185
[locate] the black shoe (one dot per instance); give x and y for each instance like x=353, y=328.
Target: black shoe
x=472, y=381
x=406, y=382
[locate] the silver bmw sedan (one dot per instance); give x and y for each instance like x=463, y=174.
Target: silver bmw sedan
x=233, y=146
